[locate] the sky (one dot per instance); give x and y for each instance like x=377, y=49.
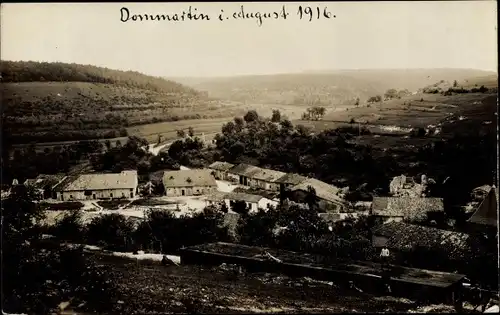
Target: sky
x=363, y=35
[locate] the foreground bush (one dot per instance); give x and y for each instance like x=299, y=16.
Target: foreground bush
x=36, y=278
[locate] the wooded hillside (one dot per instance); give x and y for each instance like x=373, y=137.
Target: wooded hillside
x=46, y=102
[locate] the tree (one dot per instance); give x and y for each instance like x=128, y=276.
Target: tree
x=107, y=143
x=70, y=227
x=276, y=117
x=357, y=102
x=311, y=199
x=112, y=231
x=391, y=93
x=38, y=276
x=181, y=133
x=238, y=123
x=455, y=83
x=191, y=131
x=240, y=207
x=375, y=99
x=251, y=116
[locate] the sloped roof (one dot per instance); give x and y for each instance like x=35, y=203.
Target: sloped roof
x=268, y=175
x=243, y=197
x=291, y=178
x=221, y=166
x=486, y=213
x=123, y=180
x=244, y=169
x=188, y=178
x=216, y=197
x=43, y=180
x=323, y=190
x=403, y=236
x=407, y=207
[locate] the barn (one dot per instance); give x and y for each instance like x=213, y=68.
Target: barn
x=98, y=186
x=189, y=183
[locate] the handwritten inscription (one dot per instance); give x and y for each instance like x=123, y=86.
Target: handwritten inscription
x=306, y=13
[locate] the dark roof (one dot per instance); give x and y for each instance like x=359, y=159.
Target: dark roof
x=323, y=190
x=66, y=182
x=42, y=181
x=221, y=166
x=403, y=236
x=406, y=207
x=486, y=213
x=188, y=178
x=244, y=169
x=292, y=179
x=268, y=175
x=352, y=268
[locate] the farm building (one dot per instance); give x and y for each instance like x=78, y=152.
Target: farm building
x=254, y=202
x=266, y=179
x=243, y=174
x=403, y=238
x=290, y=180
x=388, y=209
x=98, y=186
x=486, y=215
x=45, y=184
x=330, y=199
x=220, y=169
x=188, y=183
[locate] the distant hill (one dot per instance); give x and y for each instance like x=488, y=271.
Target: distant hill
x=326, y=87
x=56, y=101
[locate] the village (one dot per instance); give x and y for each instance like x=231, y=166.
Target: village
x=341, y=163
x=408, y=218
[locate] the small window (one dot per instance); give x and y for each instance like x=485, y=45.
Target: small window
x=131, y=189
x=111, y=195
x=70, y=196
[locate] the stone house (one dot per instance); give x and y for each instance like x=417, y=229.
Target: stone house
x=397, y=209
x=330, y=198
x=98, y=186
x=289, y=180
x=44, y=185
x=266, y=179
x=254, y=202
x=220, y=169
x=243, y=174
x=189, y=183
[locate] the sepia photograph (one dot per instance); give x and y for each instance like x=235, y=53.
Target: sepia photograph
x=249, y=157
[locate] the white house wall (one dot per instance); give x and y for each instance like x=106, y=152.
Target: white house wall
x=97, y=194
x=189, y=191
x=264, y=202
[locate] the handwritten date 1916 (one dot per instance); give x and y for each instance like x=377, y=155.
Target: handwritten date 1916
x=311, y=13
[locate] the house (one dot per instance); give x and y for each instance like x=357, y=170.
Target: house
x=254, y=202
x=242, y=173
x=189, y=183
x=98, y=186
x=486, y=215
x=45, y=184
x=402, y=237
x=404, y=186
x=266, y=179
x=388, y=209
x=220, y=169
x=329, y=197
x=289, y=180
